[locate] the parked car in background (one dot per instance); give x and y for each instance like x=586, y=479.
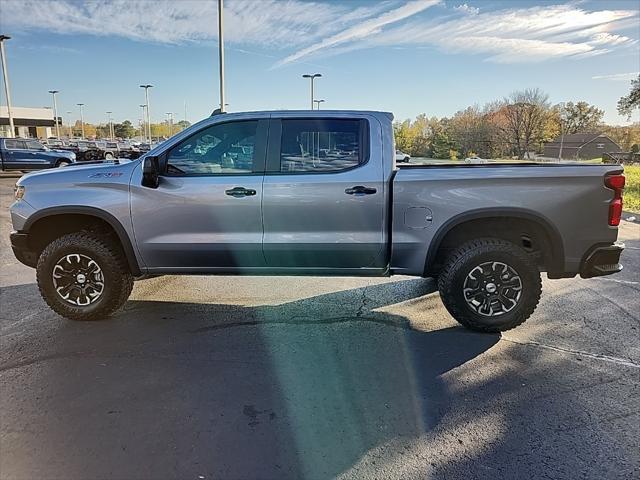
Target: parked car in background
x=475, y=160
x=127, y=150
x=53, y=143
x=402, y=157
x=27, y=154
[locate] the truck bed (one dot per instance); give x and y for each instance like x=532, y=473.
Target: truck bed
x=571, y=199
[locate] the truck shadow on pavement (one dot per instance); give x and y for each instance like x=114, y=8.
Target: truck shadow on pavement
x=176, y=390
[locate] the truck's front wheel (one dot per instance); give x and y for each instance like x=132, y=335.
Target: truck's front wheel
x=83, y=276
x=490, y=285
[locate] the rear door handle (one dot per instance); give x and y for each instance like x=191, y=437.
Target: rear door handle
x=238, y=192
x=360, y=190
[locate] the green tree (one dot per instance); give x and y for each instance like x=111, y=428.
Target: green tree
x=102, y=131
x=579, y=117
x=630, y=102
x=182, y=124
x=441, y=146
x=124, y=129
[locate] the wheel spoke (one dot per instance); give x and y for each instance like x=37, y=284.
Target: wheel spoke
x=78, y=279
x=492, y=288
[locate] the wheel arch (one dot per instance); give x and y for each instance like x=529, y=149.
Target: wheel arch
x=48, y=214
x=554, y=261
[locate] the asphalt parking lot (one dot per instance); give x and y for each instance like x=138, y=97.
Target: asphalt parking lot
x=229, y=377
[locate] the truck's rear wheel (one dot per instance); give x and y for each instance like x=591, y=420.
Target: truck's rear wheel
x=83, y=276
x=490, y=285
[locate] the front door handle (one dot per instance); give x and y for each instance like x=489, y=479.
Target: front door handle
x=360, y=190
x=238, y=192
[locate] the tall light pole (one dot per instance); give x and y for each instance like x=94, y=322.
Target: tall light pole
x=312, y=78
x=55, y=112
x=318, y=102
x=146, y=99
x=221, y=52
x=70, y=131
x=170, y=122
x=81, y=118
x=110, y=120
x=7, y=92
x=144, y=122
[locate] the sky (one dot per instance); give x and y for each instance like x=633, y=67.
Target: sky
x=404, y=56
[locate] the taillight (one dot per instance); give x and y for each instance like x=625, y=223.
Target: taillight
x=615, y=183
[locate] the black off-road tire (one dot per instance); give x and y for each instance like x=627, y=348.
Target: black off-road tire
x=118, y=281
x=470, y=255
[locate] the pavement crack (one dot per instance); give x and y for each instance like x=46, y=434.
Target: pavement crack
x=363, y=303
x=44, y=358
x=595, y=356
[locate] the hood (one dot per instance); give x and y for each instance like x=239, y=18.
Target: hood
x=83, y=172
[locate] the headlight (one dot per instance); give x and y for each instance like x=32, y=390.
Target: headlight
x=18, y=192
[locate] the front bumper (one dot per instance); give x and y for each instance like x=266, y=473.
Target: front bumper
x=22, y=250
x=602, y=260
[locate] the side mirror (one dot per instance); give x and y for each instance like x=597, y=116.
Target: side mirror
x=150, y=172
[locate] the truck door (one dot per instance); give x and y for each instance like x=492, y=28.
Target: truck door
x=323, y=199
x=39, y=157
x=16, y=156
x=206, y=212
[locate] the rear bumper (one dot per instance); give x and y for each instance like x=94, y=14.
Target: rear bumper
x=21, y=249
x=602, y=260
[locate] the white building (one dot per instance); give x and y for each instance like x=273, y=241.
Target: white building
x=28, y=122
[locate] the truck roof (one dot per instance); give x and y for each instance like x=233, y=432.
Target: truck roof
x=326, y=112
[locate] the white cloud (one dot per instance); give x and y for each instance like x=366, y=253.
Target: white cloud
x=274, y=23
x=466, y=9
x=363, y=29
x=518, y=35
x=618, y=76
x=297, y=29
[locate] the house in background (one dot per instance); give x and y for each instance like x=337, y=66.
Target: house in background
x=583, y=146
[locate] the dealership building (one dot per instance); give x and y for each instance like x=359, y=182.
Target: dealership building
x=28, y=122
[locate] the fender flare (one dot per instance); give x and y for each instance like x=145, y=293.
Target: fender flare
x=551, y=231
x=125, y=241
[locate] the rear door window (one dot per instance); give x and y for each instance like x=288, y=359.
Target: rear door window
x=34, y=145
x=321, y=146
x=15, y=145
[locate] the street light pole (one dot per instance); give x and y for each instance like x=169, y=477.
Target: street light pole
x=143, y=124
x=109, y=119
x=170, y=122
x=55, y=112
x=221, y=52
x=81, y=118
x=312, y=78
x=146, y=99
x=7, y=92
x=70, y=131
x=318, y=102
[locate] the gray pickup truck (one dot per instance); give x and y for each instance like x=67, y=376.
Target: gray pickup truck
x=314, y=193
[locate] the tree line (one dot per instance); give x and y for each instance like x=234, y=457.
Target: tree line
x=516, y=126
x=123, y=130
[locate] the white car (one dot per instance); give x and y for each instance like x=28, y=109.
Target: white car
x=402, y=157
x=475, y=160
